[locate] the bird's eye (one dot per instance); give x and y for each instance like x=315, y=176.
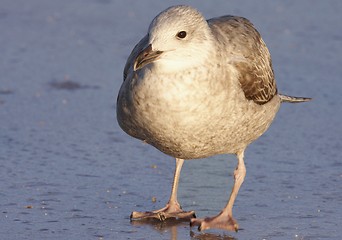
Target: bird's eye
x=181, y=34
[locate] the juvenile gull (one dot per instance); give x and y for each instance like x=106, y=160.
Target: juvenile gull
x=194, y=88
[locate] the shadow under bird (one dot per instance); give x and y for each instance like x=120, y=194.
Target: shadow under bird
x=194, y=88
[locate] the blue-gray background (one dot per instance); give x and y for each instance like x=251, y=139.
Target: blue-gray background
x=67, y=171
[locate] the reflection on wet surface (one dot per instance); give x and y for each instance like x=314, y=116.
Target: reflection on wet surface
x=172, y=226
x=210, y=236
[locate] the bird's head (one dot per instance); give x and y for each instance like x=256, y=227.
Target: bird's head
x=178, y=38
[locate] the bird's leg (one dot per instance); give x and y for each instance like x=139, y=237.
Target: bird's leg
x=172, y=208
x=224, y=220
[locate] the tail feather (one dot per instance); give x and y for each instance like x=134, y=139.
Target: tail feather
x=291, y=99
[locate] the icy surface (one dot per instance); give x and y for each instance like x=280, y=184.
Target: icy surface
x=67, y=171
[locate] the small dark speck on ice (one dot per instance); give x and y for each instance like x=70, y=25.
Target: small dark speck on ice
x=6, y=91
x=70, y=85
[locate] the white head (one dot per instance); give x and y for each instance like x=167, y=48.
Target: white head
x=178, y=38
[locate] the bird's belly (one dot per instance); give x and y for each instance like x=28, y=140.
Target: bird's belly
x=194, y=125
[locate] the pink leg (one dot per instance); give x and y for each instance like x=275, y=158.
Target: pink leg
x=225, y=220
x=172, y=208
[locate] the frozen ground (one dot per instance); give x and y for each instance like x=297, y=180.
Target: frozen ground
x=67, y=171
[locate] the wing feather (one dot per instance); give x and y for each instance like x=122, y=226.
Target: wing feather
x=243, y=43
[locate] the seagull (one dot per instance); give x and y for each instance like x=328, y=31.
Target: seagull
x=194, y=88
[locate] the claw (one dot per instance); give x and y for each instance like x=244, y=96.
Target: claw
x=199, y=228
x=236, y=227
x=161, y=216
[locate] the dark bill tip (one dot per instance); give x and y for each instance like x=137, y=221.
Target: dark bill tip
x=145, y=57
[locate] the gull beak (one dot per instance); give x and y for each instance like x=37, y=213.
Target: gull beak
x=145, y=57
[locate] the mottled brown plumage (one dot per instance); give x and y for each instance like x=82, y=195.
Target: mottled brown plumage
x=255, y=73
